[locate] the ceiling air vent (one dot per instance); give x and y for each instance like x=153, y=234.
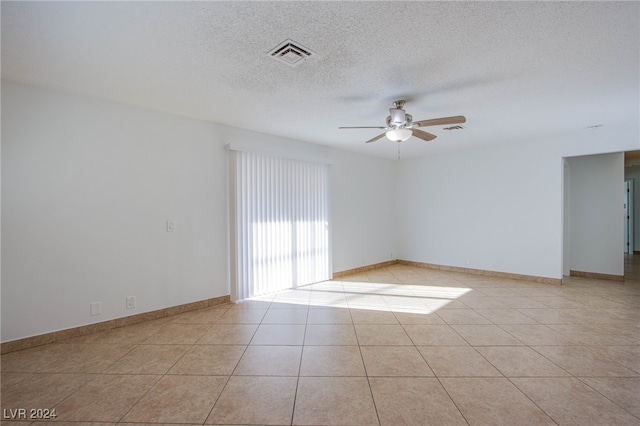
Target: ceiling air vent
x=290, y=53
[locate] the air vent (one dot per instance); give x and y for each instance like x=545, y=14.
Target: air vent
x=453, y=128
x=290, y=53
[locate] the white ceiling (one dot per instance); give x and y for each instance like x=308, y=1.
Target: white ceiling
x=519, y=71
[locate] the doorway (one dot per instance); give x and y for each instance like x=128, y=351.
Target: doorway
x=628, y=217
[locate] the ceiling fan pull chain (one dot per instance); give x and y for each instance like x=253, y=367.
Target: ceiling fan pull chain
x=398, y=150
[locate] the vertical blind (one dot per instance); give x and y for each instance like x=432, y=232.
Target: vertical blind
x=279, y=223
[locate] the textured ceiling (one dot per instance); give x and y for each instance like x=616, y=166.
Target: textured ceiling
x=518, y=71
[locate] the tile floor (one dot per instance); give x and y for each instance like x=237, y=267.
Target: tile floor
x=398, y=345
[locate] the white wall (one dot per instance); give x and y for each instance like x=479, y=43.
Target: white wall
x=596, y=213
x=87, y=188
x=494, y=209
x=363, y=211
x=499, y=208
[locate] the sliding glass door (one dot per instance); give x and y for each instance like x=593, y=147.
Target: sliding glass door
x=279, y=223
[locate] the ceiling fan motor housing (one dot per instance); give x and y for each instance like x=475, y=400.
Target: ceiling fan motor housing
x=398, y=117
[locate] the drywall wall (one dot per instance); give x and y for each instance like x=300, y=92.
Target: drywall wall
x=596, y=213
x=363, y=211
x=633, y=173
x=495, y=209
x=500, y=208
x=88, y=187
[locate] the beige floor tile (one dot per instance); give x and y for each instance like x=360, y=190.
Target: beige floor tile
x=329, y=316
x=394, y=361
x=462, y=316
x=621, y=390
x=228, y=334
x=584, y=362
x=42, y=390
x=452, y=304
x=334, y=401
x=262, y=302
x=549, y=316
x=270, y=361
x=383, y=334
x=495, y=292
x=243, y=316
x=418, y=318
x=505, y=316
x=596, y=334
x=457, y=361
x=54, y=423
x=520, y=302
x=332, y=361
x=34, y=359
x=10, y=379
x=279, y=334
x=286, y=316
x=330, y=334
x=205, y=316
x=520, y=361
x=148, y=359
x=178, y=334
x=132, y=334
x=255, y=400
x=106, y=398
x=178, y=399
x=363, y=316
x=537, y=334
x=628, y=356
x=493, y=401
x=569, y=401
x=88, y=358
x=294, y=297
x=485, y=335
x=365, y=301
x=405, y=303
x=413, y=401
x=481, y=302
x=553, y=321
x=327, y=299
x=210, y=360
x=434, y=335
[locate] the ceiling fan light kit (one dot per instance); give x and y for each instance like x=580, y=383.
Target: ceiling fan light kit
x=400, y=125
x=399, y=135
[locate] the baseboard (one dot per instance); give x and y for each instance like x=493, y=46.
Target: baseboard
x=520, y=277
x=596, y=275
x=57, y=336
x=362, y=269
x=495, y=274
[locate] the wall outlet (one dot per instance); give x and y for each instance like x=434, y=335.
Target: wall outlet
x=95, y=308
x=170, y=226
x=131, y=302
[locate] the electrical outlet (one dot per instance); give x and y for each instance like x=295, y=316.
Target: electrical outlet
x=131, y=302
x=170, y=226
x=95, y=308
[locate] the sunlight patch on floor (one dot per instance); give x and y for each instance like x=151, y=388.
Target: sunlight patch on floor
x=377, y=296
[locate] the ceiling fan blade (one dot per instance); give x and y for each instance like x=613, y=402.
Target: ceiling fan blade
x=372, y=127
x=425, y=136
x=458, y=119
x=376, y=138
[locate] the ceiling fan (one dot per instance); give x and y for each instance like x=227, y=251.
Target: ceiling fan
x=400, y=126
